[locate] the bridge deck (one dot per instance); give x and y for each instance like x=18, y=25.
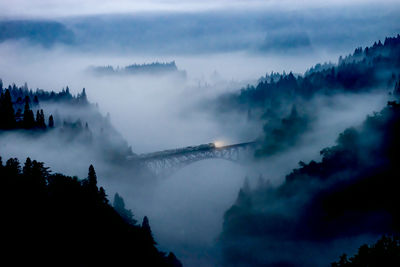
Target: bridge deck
x=163, y=163
x=190, y=150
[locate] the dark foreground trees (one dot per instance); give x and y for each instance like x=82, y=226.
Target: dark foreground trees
x=56, y=220
x=385, y=252
x=11, y=120
x=346, y=198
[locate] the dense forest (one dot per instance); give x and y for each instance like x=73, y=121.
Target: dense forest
x=364, y=69
x=66, y=117
x=13, y=100
x=385, y=252
x=151, y=68
x=52, y=219
x=351, y=192
x=59, y=219
x=374, y=68
x=200, y=133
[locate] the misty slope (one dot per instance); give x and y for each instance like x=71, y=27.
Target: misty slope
x=323, y=208
x=258, y=31
x=154, y=68
x=56, y=220
x=62, y=122
x=283, y=103
x=363, y=70
x=43, y=32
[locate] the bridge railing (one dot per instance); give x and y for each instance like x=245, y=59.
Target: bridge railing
x=191, y=150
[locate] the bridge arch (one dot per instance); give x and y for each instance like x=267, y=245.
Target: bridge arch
x=165, y=163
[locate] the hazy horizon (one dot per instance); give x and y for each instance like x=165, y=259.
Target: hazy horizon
x=223, y=51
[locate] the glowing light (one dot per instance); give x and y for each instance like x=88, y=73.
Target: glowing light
x=219, y=143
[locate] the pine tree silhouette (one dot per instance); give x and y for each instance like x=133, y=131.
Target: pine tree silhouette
x=51, y=121
x=147, y=230
x=92, y=179
x=7, y=116
x=119, y=206
x=28, y=119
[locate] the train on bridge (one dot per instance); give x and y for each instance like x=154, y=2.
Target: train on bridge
x=172, y=152
x=167, y=161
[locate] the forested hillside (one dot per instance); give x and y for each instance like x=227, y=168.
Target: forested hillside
x=232, y=133
x=351, y=193
x=154, y=68
x=17, y=105
x=283, y=102
x=385, y=252
x=364, y=69
x=55, y=220
x=62, y=116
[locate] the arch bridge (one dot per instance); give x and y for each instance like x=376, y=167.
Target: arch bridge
x=164, y=163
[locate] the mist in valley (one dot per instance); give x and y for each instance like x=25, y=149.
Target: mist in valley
x=151, y=112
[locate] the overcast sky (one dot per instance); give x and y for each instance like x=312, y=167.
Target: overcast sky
x=56, y=8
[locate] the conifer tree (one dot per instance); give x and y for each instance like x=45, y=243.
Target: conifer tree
x=13, y=168
x=37, y=118
x=27, y=169
x=7, y=116
x=28, y=119
x=147, y=230
x=119, y=206
x=51, y=121
x=40, y=123
x=82, y=97
x=103, y=195
x=92, y=179
x=36, y=100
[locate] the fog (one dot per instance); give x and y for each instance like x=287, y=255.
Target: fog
x=157, y=112
x=142, y=105
x=47, y=8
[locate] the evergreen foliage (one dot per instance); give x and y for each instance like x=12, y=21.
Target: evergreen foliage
x=275, y=94
x=152, y=68
x=56, y=220
x=359, y=71
x=351, y=192
x=14, y=99
x=119, y=206
x=51, y=121
x=385, y=252
x=7, y=118
x=146, y=228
